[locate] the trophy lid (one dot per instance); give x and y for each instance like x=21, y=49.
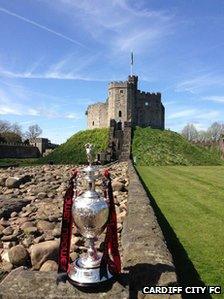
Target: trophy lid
x=90, y=170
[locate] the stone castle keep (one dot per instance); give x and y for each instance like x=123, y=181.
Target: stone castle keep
x=125, y=103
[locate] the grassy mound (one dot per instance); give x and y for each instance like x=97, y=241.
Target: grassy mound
x=156, y=147
x=73, y=150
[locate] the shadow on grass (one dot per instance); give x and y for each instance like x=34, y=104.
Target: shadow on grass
x=186, y=272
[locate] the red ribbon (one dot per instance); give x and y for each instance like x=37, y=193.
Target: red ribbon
x=66, y=227
x=111, y=239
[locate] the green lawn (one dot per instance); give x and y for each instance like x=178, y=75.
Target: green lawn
x=189, y=204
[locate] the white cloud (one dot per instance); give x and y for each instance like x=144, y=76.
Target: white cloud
x=182, y=113
x=217, y=99
x=193, y=115
x=200, y=83
x=12, y=103
x=40, y=26
x=72, y=116
x=51, y=75
x=119, y=25
x=4, y=110
x=68, y=68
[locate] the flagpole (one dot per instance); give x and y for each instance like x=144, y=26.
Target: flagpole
x=132, y=61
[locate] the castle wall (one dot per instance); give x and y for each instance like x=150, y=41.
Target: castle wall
x=149, y=110
x=18, y=151
x=97, y=115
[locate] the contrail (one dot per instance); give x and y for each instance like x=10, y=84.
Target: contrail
x=41, y=26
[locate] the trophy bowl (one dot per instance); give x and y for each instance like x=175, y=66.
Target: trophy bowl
x=90, y=213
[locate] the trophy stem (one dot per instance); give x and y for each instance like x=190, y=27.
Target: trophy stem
x=92, y=251
x=92, y=258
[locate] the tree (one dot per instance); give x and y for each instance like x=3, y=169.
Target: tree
x=190, y=132
x=203, y=136
x=215, y=131
x=11, y=137
x=15, y=128
x=11, y=133
x=33, y=132
x=5, y=126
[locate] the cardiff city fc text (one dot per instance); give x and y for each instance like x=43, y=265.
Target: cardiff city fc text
x=181, y=290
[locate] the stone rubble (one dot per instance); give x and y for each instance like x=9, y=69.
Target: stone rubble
x=31, y=202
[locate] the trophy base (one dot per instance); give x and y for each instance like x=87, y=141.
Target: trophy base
x=86, y=277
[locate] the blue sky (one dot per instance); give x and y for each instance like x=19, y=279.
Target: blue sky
x=57, y=57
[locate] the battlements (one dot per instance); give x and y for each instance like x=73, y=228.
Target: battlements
x=149, y=94
x=98, y=104
x=117, y=84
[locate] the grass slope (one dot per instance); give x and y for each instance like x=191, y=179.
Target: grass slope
x=73, y=151
x=191, y=199
x=157, y=147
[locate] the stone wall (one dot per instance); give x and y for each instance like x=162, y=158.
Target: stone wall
x=18, y=151
x=126, y=142
x=146, y=256
x=148, y=110
x=97, y=116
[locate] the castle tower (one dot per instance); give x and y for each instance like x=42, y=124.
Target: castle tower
x=121, y=99
x=126, y=103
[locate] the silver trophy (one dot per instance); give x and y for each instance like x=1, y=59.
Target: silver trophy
x=90, y=214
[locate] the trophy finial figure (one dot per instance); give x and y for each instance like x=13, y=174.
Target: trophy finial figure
x=89, y=152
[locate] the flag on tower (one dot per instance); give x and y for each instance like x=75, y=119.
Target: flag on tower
x=132, y=62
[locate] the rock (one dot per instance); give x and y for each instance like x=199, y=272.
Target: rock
x=6, y=266
x=56, y=232
x=30, y=230
x=118, y=186
x=18, y=255
x=5, y=256
x=4, y=222
x=73, y=256
x=8, y=245
x=9, y=238
x=7, y=231
x=27, y=224
x=53, y=218
x=17, y=192
x=12, y=182
x=119, y=227
x=25, y=179
x=51, y=195
x=41, y=195
x=45, y=225
x=1, y=228
x=9, y=191
x=13, y=205
x=13, y=214
x=38, y=239
x=42, y=252
x=27, y=242
x=2, y=181
x=49, y=265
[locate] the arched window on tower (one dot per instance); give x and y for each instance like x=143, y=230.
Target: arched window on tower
x=93, y=123
x=120, y=114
